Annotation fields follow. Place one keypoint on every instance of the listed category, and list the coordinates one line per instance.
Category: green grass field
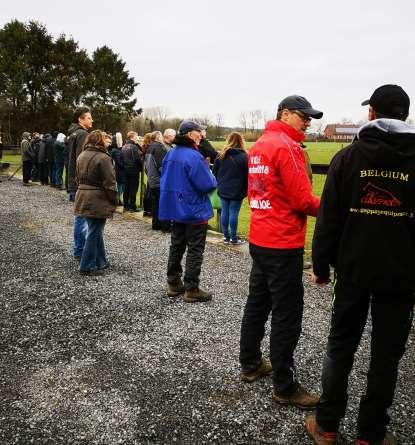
(320, 153)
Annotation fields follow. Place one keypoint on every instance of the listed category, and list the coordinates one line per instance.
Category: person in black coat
(116, 156)
(231, 171)
(132, 158)
(206, 149)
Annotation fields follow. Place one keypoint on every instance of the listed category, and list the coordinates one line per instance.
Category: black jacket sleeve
(329, 224)
(207, 151)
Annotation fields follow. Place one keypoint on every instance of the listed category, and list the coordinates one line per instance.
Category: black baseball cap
(389, 100)
(188, 125)
(300, 103)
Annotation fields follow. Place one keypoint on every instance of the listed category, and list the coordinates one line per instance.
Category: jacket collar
(279, 126)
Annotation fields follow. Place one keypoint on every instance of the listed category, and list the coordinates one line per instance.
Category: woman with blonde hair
(95, 199)
(231, 171)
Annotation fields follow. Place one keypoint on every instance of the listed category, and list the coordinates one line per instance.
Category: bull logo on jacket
(378, 196)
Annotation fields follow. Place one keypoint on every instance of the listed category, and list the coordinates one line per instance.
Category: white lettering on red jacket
(279, 190)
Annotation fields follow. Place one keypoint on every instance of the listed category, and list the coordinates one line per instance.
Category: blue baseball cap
(188, 125)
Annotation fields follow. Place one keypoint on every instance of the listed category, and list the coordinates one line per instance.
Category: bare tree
(243, 120)
(157, 114)
(219, 125)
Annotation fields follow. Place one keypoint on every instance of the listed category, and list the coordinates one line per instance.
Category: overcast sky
(228, 56)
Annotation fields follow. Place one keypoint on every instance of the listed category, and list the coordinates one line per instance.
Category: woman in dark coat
(95, 199)
(231, 171)
(116, 155)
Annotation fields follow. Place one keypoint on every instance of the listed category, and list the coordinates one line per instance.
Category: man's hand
(319, 281)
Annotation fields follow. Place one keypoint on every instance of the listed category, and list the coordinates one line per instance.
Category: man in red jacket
(280, 197)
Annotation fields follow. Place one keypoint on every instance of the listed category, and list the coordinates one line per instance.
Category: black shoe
(92, 272)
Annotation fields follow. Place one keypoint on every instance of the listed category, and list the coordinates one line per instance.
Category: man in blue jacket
(185, 184)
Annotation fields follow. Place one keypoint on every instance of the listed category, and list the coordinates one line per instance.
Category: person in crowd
(58, 157)
(206, 149)
(153, 161)
(186, 182)
(27, 159)
(365, 230)
(280, 198)
(96, 199)
(168, 137)
(231, 171)
(132, 158)
(34, 149)
(77, 133)
(43, 158)
(50, 156)
(116, 156)
(145, 190)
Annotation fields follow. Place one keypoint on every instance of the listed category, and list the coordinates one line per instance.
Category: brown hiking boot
(196, 296)
(317, 435)
(175, 289)
(389, 439)
(300, 398)
(264, 369)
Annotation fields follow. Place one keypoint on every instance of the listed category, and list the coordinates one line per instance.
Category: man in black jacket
(206, 149)
(366, 230)
(77, 133)
(132, 158)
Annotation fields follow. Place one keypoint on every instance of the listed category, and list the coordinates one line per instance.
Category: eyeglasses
(302, 116)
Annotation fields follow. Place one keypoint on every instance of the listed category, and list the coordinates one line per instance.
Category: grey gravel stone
(113, 360)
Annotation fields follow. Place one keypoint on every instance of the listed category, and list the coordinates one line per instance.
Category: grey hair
(169, 132)
(60, 137)
(118, 139)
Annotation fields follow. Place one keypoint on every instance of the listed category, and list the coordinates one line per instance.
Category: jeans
(80, 229)
(120, 190)
(93, 255)
(194, 238)
(391, 323)
(229, 217)
(276, 287)
(57, 174)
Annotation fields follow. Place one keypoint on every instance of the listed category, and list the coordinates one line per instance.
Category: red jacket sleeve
(293, 174)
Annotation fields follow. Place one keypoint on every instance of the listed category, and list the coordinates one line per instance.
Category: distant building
(341, 132)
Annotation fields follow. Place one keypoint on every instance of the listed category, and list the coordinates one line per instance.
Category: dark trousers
(130, 190)
(51, 169)
(35, 171)
(276, 287)
(147, 201)
(27, 171)
(156, 224)
(43, 173)
(391, 323)
(66, 176)
(194, 238)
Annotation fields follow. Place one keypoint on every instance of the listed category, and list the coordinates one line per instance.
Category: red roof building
(341, 132)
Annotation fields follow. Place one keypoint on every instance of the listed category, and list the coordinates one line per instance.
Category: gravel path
(113, 360)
